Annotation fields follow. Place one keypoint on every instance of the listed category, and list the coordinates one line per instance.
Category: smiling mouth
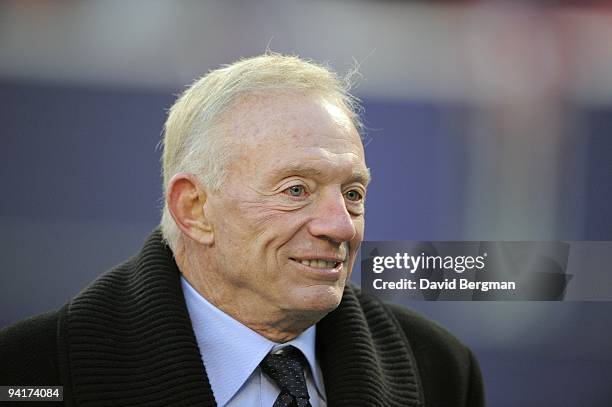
(319, 263)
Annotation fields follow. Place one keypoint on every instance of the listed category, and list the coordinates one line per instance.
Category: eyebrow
(363, 177)
(359, 175)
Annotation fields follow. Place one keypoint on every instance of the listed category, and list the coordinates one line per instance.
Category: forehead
(282, 133)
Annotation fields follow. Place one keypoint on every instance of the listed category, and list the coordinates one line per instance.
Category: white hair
(192, 141)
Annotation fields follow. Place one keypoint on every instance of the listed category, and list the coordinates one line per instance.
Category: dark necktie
(285, 368)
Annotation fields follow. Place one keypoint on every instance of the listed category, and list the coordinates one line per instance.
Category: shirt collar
(305, 342)
(219, 335)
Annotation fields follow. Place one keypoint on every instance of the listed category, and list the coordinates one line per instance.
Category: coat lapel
(129, 340)
(366, 360)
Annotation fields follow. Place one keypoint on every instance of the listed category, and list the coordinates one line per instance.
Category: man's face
(290, 217)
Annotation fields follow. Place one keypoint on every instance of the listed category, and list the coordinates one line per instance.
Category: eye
(296, 191)
(354, 195)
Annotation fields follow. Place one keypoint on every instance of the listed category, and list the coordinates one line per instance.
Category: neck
(277, 328)
(268, 320)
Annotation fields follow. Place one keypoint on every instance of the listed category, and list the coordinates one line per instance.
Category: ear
(186, 198)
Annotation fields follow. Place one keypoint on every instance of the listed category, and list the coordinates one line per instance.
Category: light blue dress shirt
(231, 353)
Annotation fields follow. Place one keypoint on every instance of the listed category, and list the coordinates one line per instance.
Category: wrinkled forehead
(273, 132)
(301, 120)
(282, 108)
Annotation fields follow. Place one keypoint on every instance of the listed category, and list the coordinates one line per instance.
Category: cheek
(266, 216)
(356, 241)
(255, 230)
(239, 216)
(359, 223)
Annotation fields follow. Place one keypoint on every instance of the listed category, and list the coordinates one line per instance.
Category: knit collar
(127, 340)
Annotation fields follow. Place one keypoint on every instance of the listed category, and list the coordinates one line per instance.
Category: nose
(331, 219)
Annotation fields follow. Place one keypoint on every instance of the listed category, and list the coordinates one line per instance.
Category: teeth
(320, 264)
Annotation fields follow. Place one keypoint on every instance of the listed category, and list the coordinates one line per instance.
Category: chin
(321, 298)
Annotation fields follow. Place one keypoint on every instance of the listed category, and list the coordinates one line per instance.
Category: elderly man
(241, 299)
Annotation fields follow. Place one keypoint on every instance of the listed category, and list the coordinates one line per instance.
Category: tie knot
(285, 368)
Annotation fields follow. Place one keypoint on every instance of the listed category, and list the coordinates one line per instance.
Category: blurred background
(486, 120)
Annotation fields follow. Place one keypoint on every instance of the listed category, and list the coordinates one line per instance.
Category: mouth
(319, 263)
(320, 269)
